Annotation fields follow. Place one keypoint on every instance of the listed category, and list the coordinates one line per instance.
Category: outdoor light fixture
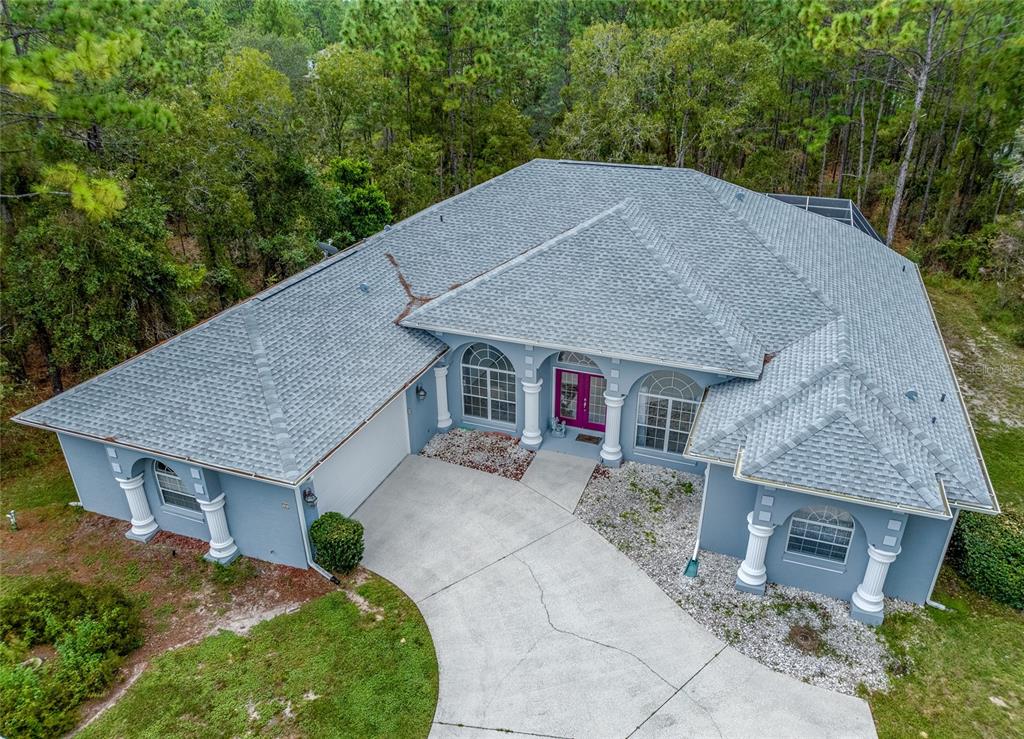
(309, 496)
(420, 392)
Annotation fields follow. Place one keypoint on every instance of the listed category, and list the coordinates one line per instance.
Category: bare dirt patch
(488, 451)
(184, 598)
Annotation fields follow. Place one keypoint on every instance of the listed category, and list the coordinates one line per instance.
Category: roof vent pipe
(911, 394)
(363, 287)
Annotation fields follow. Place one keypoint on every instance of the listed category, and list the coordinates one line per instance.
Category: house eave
(835, 495)
(437, 329)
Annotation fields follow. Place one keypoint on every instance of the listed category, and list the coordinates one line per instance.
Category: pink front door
(579, 399)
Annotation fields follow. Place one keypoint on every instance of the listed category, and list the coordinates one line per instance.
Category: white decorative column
(144, 526)
(611, 449)
(868, 599)
(752, 574)
(444, 416)
(222, 545)
(531, 416)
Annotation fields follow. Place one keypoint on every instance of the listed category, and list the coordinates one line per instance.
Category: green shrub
(338, 542)
(988, 552)
(90, 627)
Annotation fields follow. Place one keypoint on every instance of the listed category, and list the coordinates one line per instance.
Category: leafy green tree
(712, 88)
(350, 95)
(91, 292)
(358, 207)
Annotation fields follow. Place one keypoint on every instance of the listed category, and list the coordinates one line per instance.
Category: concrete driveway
(543, 628)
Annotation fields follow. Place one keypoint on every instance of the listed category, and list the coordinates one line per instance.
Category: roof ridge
(918, 434)
(918, 486)
(639, 223)
(271, 397)
(733, 210)
(841, 359)
(511, 262)
(902, 469)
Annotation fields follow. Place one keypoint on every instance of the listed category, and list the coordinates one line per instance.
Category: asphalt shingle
(694, 271)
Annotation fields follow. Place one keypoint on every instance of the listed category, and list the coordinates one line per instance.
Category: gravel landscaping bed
(489, 451)
(650, 513)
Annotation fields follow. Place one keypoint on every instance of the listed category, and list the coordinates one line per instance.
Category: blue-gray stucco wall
(921, 541)
(422, 413)
(531, 363)
(261, 516)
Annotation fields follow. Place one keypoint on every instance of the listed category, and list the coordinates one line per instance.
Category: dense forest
(162, 160)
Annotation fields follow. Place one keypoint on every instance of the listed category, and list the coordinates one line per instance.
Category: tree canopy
(162, 159)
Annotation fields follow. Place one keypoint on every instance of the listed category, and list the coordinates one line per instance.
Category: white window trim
(835, 562)
(490, 371)
(668, 418)
(157, 473)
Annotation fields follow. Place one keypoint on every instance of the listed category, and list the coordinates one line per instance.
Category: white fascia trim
(995, 508)
(582, 350)
(159, 453)
(818, 492)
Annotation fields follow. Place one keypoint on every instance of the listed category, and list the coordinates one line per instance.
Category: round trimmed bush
(337, 541)
(988, 552)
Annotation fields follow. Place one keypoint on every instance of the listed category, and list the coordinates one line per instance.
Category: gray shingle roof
(273, 385)
(268, 387)
(611, 286)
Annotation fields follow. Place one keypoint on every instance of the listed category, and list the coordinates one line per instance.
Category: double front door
(580, 399)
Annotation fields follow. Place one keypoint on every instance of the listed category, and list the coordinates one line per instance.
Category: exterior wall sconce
(309, 497)
(421, 394)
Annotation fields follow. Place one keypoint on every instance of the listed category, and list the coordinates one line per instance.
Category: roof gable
(610, 286)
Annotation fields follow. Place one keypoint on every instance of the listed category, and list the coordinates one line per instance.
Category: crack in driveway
(547, 613)
(690, 698)
(501, 731)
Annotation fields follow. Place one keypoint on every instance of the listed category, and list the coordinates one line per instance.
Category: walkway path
(543, 628)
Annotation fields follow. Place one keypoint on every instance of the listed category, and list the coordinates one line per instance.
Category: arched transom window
(172, 489)
(576, 358)
(824, 533)
(488, 384)
(667, 405)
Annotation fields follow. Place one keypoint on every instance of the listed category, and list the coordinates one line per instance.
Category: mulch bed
(487, 451)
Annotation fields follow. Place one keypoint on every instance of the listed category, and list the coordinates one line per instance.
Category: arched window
(576, 358)
(666, 408)
(824, 533)
(488, 384)
(172, 490)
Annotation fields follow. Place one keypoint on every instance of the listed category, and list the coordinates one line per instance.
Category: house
(666, 315)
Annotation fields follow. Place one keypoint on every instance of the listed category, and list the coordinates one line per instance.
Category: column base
(748, 588)
(614, 462)
(142, 535)
(442, 428)
(223, 556)
(872, 618)
(532, 445)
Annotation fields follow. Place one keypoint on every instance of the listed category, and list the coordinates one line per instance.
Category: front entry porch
(588, 447)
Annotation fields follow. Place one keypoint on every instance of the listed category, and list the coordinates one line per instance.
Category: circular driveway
(543, 628)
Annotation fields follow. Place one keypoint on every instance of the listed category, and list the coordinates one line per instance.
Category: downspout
(305, 538)
(935, 578)
(691, 566)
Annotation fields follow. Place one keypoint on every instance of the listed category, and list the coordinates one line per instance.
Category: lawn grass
(1003, 449)
(42, 485)
(959, 660)
(329, 669)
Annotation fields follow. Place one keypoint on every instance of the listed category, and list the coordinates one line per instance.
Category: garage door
(349, 475)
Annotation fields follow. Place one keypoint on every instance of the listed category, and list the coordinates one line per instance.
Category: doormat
(588, 438)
